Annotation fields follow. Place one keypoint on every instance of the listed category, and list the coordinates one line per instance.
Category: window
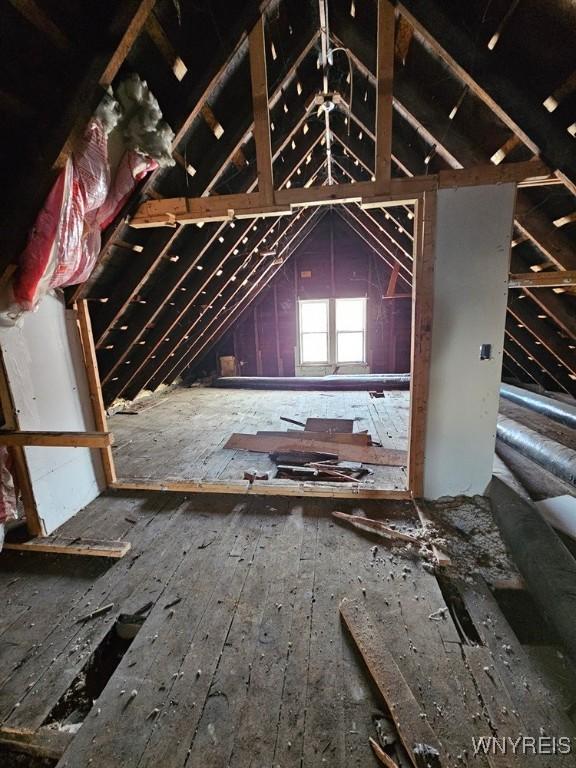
(314, 331)
(350, 330)
(332, 331)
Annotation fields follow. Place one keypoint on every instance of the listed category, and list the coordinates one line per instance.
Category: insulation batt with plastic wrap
(65, 241)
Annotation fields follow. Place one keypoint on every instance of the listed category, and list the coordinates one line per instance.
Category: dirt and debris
(465, 529)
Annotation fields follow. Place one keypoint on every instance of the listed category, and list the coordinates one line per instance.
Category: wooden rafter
(197, 99)
(526, 316)
(535, 350)
(218, 264)
(36, 16)
(262, 139)
(310, 219)
(557, 278)
(125, 27)
(191, 322)
(477, 69)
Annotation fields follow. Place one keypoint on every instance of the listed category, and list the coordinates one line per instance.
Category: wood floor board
(157, 657)
(183, 437)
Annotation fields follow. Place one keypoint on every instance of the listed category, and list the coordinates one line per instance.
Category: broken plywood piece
(60, 546)
(349, 438)
(415, 733)
(365, 454)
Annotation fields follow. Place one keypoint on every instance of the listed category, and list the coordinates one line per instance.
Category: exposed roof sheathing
(473, 81)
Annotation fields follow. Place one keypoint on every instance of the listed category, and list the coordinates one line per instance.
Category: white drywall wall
(48, 381)
(473, 233)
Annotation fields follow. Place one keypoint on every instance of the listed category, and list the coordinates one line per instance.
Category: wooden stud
(384, 99)
(422, 314)
(91, 364)
(34, 523)
(55, 439)
(261, 114)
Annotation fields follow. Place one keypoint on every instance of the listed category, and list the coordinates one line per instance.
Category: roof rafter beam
(172, 328)
(476, 69)
(264, 279)
(259, 80)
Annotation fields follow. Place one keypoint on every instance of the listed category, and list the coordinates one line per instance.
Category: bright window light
(332, 331)
(350, 330)
(314, 331)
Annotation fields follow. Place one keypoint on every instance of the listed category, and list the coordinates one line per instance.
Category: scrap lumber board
(366, 454)
(60, 546)
(349, 438)
(56, 439)
(45, 742)
(413, 729)
(338, 426)
(377, 525)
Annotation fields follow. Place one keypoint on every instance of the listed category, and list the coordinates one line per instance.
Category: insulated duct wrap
(546, 565)
(556, 458)
(561, 412)
(368, 382)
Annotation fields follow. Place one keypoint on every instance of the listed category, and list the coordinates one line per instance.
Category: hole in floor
(10, 759)
(458, 612)
(75, 704)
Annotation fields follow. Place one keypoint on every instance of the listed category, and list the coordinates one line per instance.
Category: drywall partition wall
(472, 254)
(47, 378)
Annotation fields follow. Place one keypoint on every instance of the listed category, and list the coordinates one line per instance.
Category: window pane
(313, 316)
(349, 314)
(350, 348)
(314, 347)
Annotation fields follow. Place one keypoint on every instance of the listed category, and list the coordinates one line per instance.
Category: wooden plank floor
(181, 437)
(252, 666)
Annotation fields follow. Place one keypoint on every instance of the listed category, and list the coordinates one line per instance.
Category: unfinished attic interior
(287, 384)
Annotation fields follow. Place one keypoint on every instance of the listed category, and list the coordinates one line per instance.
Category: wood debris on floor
(325, 450)
(246, 633)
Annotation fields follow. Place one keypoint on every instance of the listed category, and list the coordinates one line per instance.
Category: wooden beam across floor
(62, 546)
(19, 438)
(262, 488)
(183, 210)
(556, 279)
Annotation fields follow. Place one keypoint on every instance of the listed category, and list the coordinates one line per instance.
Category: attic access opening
(190, 427)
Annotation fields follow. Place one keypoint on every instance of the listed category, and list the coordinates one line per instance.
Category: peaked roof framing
(160, 297)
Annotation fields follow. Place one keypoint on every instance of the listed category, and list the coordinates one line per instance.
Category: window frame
(332, 333)
(301, 333)
(363, 331)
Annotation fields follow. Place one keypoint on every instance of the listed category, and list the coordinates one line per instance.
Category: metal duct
(366, 382)
(562, 412)
(553, 456)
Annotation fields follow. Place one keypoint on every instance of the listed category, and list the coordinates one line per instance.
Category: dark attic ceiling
(481, 81)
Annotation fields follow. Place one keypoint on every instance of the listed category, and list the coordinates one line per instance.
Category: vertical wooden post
(261, 114)
(422, 306)
(257, 342)
(94, 387)
(279, 362)
(34, 523)
(384, 82)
